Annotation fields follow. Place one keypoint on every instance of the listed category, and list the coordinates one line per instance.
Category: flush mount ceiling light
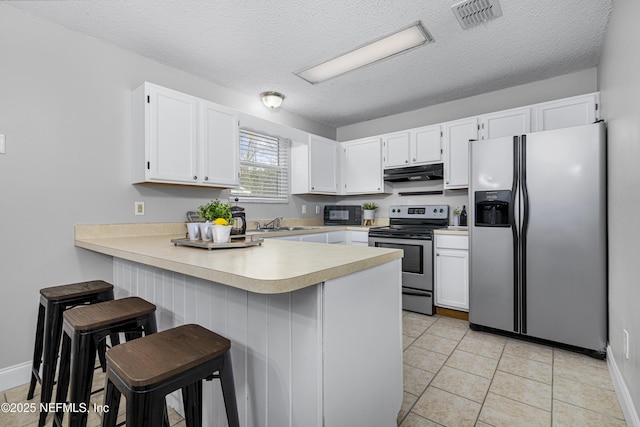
(377, 50)
(273, 100)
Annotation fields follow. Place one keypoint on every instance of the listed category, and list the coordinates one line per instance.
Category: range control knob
(441, 210)
(435, 210)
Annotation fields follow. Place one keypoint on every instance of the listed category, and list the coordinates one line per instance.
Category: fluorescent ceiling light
(393, 44)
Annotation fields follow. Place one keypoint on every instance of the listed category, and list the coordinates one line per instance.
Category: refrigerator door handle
(523, 235)
(514, 232)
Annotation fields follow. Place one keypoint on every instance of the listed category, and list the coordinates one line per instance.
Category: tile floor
(454, 376)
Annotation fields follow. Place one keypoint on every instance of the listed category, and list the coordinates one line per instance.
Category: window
(264, 162)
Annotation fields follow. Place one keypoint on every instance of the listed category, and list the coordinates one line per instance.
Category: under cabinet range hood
(431, 172)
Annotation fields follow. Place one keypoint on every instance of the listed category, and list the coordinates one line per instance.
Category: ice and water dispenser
(492, 208)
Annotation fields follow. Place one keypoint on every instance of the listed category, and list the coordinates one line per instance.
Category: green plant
(369, 206)
(216, 209)
(457, 211)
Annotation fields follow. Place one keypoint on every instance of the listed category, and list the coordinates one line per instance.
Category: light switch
(3, 145)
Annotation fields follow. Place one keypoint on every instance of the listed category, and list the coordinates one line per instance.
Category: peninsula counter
(315, 328)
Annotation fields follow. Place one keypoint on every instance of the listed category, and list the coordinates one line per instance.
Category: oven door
(417, 263)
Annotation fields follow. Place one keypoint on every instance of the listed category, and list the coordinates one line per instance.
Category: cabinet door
(456, 151)
(452, 279)
(315, 237)
(358, 238)
(506, 123)
(575, 111)
(425, 145)
(396, 146)
(173, 136)
(220, 146)
(363, 166)
(323, 165)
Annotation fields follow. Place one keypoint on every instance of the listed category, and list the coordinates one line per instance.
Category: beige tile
(447, 330)
(407, 341)
(3, 398)
(473, 363)
(422, 319)
(560, 355)
(412, 328)
(415, 380)
(436, 343)
(414, 420)
(583, 371)
(447, 409)
(526, 368)
(174, 416)
(424, 359)
(529, 350)
(454, 323)
(19, 394)
(587, 396)
(523, 390)
(482, 345)
(483, 424)
(500, 411)
(19, 419)
(408, 400)
(470, 386)
(566, 415)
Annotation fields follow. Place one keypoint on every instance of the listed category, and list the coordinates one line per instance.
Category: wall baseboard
(628, 408)
(15, 375)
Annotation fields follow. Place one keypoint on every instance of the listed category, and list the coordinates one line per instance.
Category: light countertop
(451, 230)
(277, 266)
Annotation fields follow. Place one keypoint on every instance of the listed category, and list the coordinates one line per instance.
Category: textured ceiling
(255, 45)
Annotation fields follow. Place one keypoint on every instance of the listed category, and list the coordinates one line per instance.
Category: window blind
(264, 167)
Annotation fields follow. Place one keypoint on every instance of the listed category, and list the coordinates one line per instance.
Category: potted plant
(369, 210)
(456, 216)
(218, 217)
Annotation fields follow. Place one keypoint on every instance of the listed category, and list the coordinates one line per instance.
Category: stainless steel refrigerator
(538, 236)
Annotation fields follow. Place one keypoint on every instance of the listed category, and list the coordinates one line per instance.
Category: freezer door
(564, 236)
(493, 292)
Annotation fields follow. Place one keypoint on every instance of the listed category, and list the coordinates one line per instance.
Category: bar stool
(147, 369)
(53, 302)
(84, 329)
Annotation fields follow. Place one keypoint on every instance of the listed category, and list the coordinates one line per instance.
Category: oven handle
(415, 294)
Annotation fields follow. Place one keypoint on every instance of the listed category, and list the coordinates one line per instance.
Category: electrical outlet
(304, 209)
(625, 343)
(3, 145)
(317, 209)
(138, 208)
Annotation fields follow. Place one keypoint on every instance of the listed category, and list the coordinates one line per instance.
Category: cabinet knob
(414, 159)
(206, 178)
(313, 188)
(195, 177)
(406, 161)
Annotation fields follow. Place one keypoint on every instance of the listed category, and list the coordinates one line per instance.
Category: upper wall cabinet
(505, 123)
(568, 112)
(181, 139)
(413, 147)
(456, 151)
(315, 166)
(362, 166)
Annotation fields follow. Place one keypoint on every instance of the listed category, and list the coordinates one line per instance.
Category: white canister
(205, 231)
(221, 233)
(194, 230)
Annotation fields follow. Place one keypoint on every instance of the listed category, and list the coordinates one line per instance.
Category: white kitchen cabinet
(314, 237)
(181, 139)
(315, 166)
(452, 272)
(413, 147)
(505, 123)
(362, 167)
(358, 238)
(456, 151)
(568, 112)
(337, 237)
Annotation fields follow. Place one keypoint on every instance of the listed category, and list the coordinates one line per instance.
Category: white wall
(545, 90)
(65, 111)
(619, 81)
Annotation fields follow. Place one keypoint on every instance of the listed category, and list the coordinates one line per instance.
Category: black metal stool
(84, 329)
(53, 302)
(147, 369)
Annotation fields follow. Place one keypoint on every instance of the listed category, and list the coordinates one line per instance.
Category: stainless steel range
(411, 229)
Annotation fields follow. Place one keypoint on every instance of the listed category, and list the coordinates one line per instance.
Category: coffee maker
(239, 225)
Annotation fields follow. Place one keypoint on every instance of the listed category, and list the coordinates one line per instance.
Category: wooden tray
(245, 242)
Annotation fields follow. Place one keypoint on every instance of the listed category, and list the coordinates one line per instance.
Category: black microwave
(342, 215)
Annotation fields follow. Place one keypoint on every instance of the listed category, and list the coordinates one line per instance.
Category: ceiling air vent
(474, 12)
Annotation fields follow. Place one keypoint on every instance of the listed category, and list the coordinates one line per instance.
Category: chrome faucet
(273, 224)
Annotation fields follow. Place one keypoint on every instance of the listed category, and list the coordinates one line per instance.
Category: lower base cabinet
(452, 272)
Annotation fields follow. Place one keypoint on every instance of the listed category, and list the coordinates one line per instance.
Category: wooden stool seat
(54, 301)
(144, 362)
(107, 313)
(56, 293)
(85, 328)
(147, 369)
